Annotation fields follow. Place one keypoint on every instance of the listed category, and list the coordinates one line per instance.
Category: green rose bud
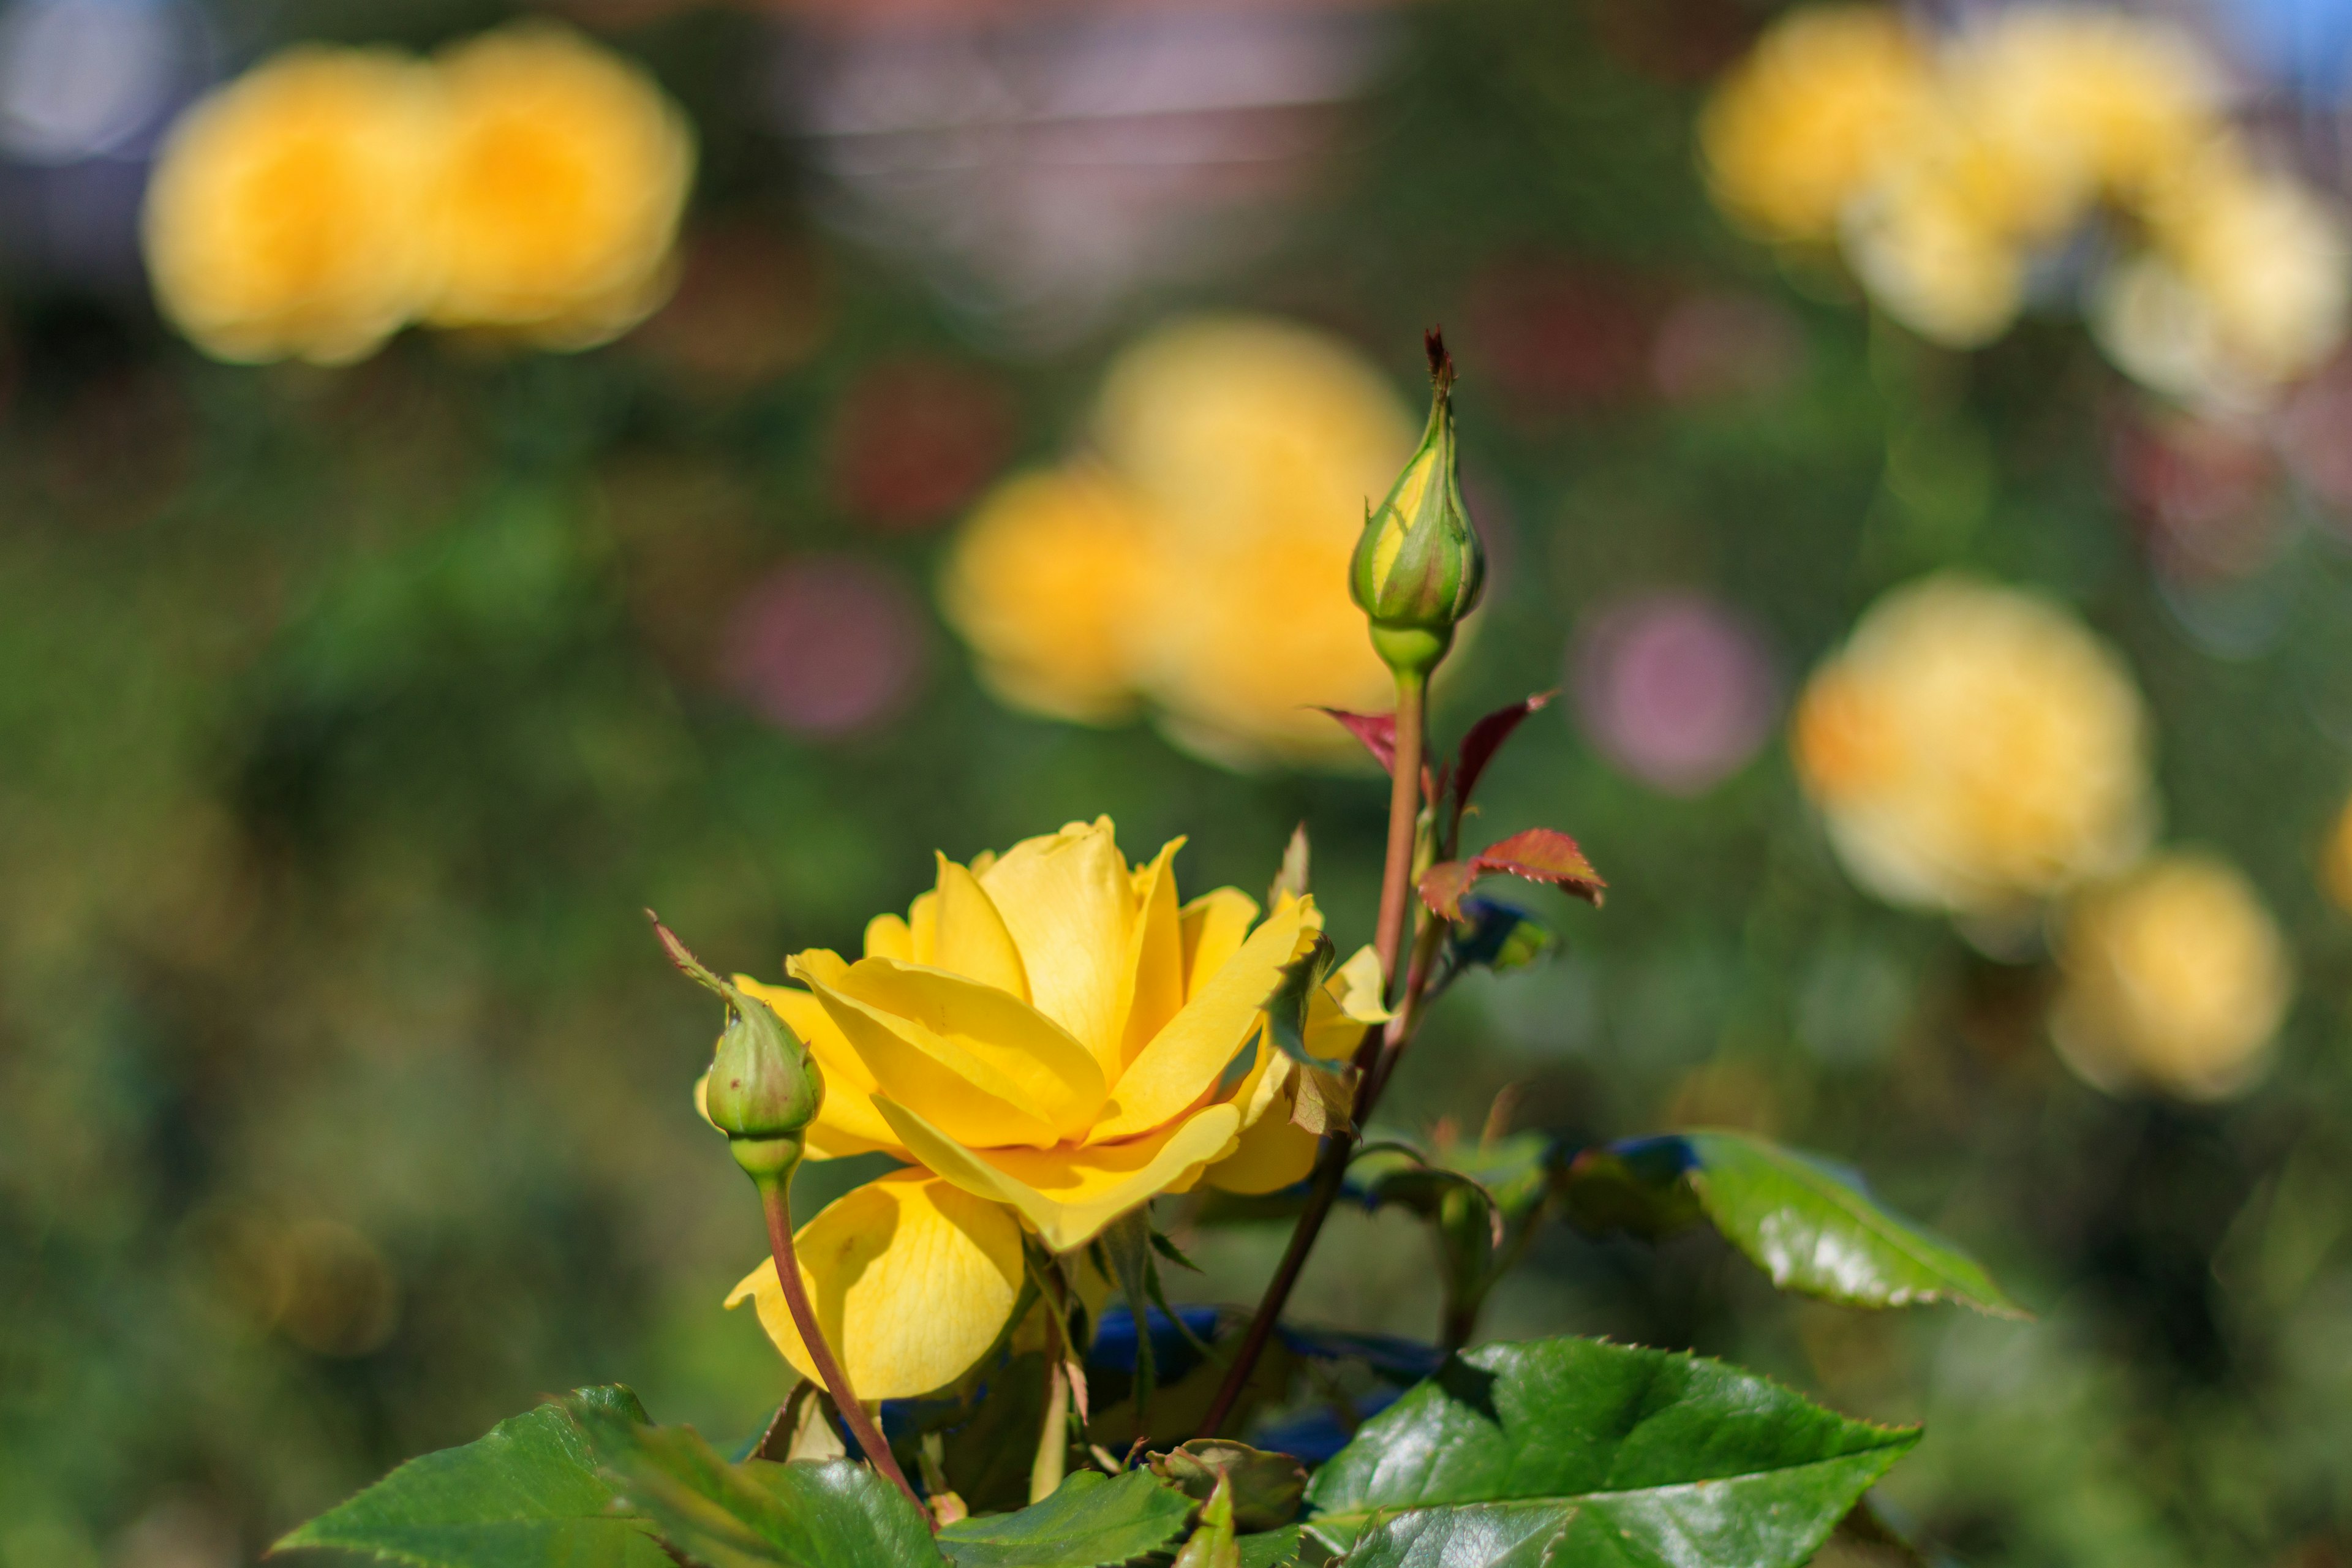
(1419, 568)
(763, 1088)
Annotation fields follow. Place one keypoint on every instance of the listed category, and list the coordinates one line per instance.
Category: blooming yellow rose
(2175, 977)
(285, 216)
(1972, 747)
(1049, 1039)
(1197, 561)
(1804, 125)
(557, 208)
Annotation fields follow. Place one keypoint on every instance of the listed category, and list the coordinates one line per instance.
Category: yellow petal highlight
(1273, 1152)
(1067, 1194)
(922, 928)
(1184, 1060)
(972, 939)
(887, 936)
(847, 1123)
(985, 1065)
(1212, 928)
(1156, 962)
(1068, 901)
(911, 1279)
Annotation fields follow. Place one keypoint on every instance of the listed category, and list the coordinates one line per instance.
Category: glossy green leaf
(1816, 1232)
(526, 1493)
(1269, 1548)
(832, 1513)
(1090, 1521)
(1629, 1458)
(1812, 1227)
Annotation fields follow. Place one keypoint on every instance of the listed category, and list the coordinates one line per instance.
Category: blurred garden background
(482, 473)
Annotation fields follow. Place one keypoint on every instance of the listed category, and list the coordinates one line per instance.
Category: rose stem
(1378, 1051)
(777, 1208)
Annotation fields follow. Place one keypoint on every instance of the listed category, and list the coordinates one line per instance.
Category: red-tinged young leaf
(1443, 884)
(1486, 737)
(1544, 855)
(1376, 730)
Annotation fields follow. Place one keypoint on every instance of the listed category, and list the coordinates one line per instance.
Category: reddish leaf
(1486, 737)
(1443, 884)
(1376, 730)
(1544, 855)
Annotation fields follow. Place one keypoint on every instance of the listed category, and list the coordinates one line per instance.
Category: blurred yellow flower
(2245, 284)
(1048, 1040)
(1041, 584)
(1199, 560)
(1948, 167)
(2176, 978)
(558, 206)
(530, 181)
(1973, 747)
(286, 213)
(1812, 116)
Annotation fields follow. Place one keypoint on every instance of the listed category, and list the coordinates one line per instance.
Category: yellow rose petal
(1213, 928)
(911, 1279)
(971, 936)
(1156, 964)
(888, 936)
(1184, 1060)
(1068, 901)
(1069, 1194)
(984, 1064)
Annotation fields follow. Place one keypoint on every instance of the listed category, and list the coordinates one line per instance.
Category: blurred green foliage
(349, 720)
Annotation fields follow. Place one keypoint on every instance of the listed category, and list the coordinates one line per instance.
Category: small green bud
(1419, 568)
(764, 1086)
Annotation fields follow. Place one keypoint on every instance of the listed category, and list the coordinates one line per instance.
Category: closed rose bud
(1419, 569)
(763, 1088)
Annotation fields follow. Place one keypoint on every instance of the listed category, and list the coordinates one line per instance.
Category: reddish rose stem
(828, 1369)
(1375, 1058)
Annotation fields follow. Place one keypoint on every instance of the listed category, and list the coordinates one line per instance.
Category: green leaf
(1270, 1548)
(1811, 1226)
(1630, 1456)
(831, 1513)
(1815, 1232)
(526, 1492)
(1266, 1487)
(1091, 1521)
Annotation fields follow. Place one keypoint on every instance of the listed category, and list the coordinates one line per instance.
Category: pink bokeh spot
(1674, 688)
(825, 645)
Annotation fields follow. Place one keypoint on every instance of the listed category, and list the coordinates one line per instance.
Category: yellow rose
(1198, 561)
(558, 204)
(1934, 260)
(2176, 977)
(286, 214)
(1972, 747)
(1047, 1039)
(1809, 120)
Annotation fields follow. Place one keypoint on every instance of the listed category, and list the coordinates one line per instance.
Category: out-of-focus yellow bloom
(1199, 561)
(2335, 860)
(1812, 117)
(1936, 260)
(531, 182)
(1042, 584)
(1049, 1038)
(2245, 284)
(2176, 978)
(2083, 105)
(1948, 167)
(1973, 747)
(566, 170)
(286, 212)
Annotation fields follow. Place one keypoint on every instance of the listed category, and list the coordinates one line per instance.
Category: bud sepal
(1419, 568)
